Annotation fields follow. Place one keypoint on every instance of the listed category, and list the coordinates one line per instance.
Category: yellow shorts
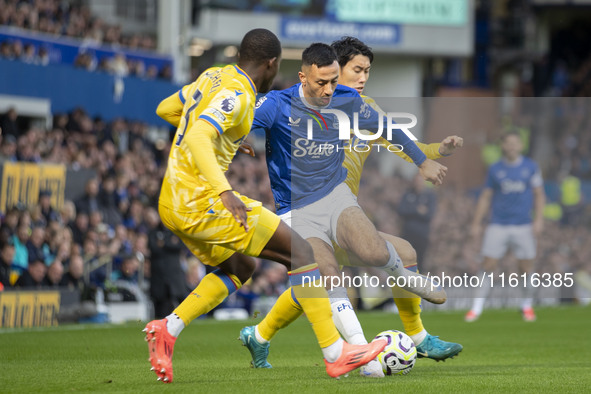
(214, 235)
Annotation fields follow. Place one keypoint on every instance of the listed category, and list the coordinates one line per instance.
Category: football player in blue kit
(514, 188)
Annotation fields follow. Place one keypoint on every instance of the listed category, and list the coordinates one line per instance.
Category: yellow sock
(283, 313)
(311, 295)
(409, 308)
(210, 292)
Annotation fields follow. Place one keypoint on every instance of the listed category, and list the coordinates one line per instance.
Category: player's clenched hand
(433, 172)
(450, 144)
(236, 207)
(246, 148)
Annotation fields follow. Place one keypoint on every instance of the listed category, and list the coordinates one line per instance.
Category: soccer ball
(399, 355)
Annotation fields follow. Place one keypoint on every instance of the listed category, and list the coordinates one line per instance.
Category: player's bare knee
(329, 270)
(375, 256)
(301, 252)
(247, 268)
(407, 253)
(240, 266)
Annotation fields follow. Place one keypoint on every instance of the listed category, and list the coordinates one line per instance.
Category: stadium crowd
(69, 19)
(72, 20)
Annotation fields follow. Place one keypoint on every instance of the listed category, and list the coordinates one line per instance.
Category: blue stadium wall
(68, 88)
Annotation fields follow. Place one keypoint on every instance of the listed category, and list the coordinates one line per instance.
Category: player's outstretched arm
(199, 138)
(170, 109)
(433, 151)
(539, 203)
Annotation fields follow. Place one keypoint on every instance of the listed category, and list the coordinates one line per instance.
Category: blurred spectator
(417, 208)
(6, 50)
(73, 279)
(8, 123)
(71, 19)
(167, 279)
(33, 276)
(68, 213)
(20, 240)
(9, 225)
(108, 202)
(54, 276)
(92, 262)
(571, 201)
(27, 150)
(8, 149)
(89, 203)
(134, 217)
(195, 272)
(86, 61)
(128, 271)
(166, 73)
(80, 228)
(35, 250)
(42, 57)
(151, 72)
(118, 65)
(50, 214)
(29, 54)
(6, 258)
(17, 49)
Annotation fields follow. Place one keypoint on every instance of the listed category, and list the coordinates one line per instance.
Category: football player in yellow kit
(213, 115)
(355, 60)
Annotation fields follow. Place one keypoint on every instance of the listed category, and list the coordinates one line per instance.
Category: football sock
(283, 313)
(344, 317)
(210, 292)
(409, 308)
(258, 336)
(419, 337)
(174, 324)
(528, 294)
(332, 352)
(481, 294)
(394, 266)
(314, 301)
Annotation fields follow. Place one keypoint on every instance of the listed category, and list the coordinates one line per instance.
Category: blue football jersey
(303, 170)
(512, 185)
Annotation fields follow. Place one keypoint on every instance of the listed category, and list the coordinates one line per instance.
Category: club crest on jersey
(364, 111)
(228, 104)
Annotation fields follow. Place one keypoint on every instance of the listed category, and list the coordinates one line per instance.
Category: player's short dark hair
(259, 45)
(349, 47)
(320, 54)
(510, 133)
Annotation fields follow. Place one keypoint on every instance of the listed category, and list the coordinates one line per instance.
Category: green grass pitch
(501, 354)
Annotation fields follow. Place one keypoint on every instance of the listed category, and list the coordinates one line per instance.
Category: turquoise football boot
(258, 351)
(436, 349)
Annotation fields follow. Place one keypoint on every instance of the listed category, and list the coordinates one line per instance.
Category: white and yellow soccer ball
(400, 355)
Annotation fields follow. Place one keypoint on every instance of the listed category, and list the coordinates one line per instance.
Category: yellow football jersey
(357, 151)
(223, 97)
